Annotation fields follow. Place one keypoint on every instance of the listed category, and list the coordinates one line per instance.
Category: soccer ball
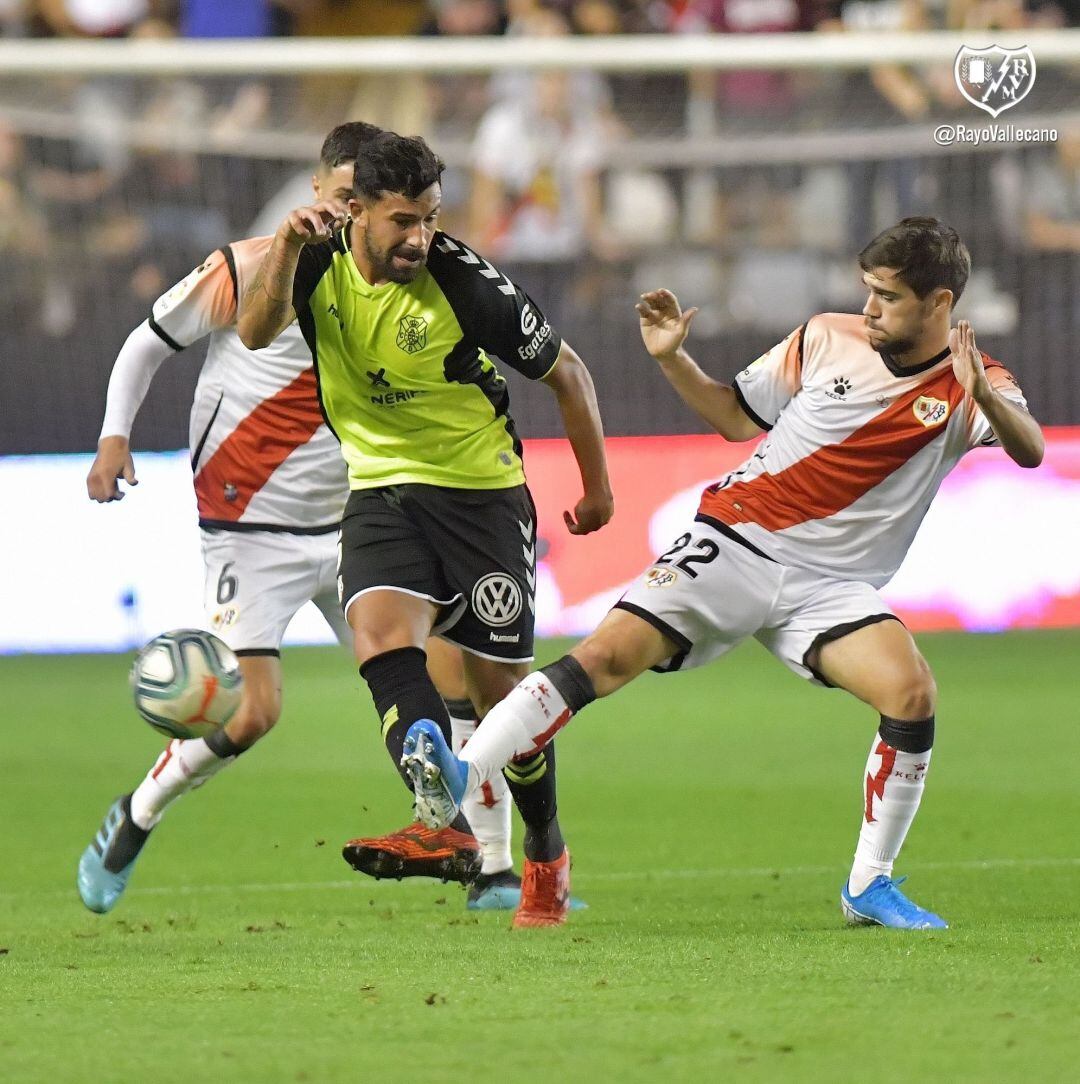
(186, 683)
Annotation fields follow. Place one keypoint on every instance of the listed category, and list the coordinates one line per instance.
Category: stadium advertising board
(116, 575)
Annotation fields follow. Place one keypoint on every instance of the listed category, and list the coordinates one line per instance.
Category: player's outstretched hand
(313, 225)
(590, 513)
(664, 326)
(112, 462)
(967, 361)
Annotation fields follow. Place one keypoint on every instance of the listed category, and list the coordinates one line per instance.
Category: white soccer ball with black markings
(186, 683)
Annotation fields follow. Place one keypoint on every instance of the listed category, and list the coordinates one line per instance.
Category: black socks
(532, 785)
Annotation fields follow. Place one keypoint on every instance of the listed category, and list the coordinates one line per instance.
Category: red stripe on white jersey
(834, 477)
(249, 455)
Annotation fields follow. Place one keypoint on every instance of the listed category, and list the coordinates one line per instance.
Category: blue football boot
(502, 892)
(883, 904)
(107, 863)
(438, 778)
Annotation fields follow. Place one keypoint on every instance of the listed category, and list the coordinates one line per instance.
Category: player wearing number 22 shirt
(862, 416)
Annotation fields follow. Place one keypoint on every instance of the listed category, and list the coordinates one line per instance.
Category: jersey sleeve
(138, 360)
(202, 302)
(980, 434)
(311, 266)
(765, 387)
(500, 318)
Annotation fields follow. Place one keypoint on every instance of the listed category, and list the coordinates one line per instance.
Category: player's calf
(250, 723)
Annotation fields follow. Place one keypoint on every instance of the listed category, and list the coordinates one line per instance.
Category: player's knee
(913, 695)
(370, 642)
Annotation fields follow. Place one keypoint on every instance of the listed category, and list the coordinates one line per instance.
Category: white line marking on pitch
(624, 875)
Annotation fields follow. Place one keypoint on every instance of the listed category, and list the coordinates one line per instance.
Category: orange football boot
(416, 851)
(545, 893)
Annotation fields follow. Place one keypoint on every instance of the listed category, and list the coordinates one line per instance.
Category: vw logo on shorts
(496, 599)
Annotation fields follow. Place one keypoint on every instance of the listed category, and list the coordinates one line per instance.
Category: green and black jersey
(403, 370)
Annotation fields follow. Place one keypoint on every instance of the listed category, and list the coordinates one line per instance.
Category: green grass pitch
(711, 817)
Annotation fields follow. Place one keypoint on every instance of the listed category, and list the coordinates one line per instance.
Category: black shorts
(470, 551)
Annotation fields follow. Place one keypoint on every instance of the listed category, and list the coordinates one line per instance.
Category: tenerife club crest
(412, 334)
(994, 78)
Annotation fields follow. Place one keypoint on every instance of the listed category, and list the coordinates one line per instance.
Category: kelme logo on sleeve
(412, 334)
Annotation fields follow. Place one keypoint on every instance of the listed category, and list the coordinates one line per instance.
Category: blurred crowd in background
(747, 192)
(262, 18)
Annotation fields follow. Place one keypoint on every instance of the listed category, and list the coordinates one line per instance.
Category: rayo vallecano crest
(994, 78)
(930, 411)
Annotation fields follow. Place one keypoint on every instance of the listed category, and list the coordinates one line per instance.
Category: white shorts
(257, 580)
(708, 593)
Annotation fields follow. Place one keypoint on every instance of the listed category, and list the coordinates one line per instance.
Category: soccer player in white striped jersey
(271, 485)
(864, 417)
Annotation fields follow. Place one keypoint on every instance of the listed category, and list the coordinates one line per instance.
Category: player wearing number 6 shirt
(439, 532)
(271, 486)
(864, 417)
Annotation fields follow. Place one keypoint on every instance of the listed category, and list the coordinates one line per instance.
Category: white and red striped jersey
(261, 452)
(856, 448)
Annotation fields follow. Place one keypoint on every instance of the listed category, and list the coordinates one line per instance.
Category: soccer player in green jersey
(439, 532)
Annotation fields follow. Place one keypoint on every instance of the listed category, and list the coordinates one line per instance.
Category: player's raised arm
(664, 327)
(267, 308)
(576, 396)
(1016, 430)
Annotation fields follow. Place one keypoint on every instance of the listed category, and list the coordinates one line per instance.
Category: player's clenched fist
(314, 224)
(664, 326)
(591, 513)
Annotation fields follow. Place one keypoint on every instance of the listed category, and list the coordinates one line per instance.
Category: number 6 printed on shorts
(227, 585)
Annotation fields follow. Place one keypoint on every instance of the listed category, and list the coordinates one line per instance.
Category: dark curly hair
(395, 163)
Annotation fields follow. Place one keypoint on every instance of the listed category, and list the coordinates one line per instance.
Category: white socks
(893, 789)
(487, 809)
(524, 722)
(183, 766)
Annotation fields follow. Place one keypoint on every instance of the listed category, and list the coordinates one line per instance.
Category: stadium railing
(744, 171)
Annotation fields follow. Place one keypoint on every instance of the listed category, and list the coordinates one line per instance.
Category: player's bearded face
(397, 234)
